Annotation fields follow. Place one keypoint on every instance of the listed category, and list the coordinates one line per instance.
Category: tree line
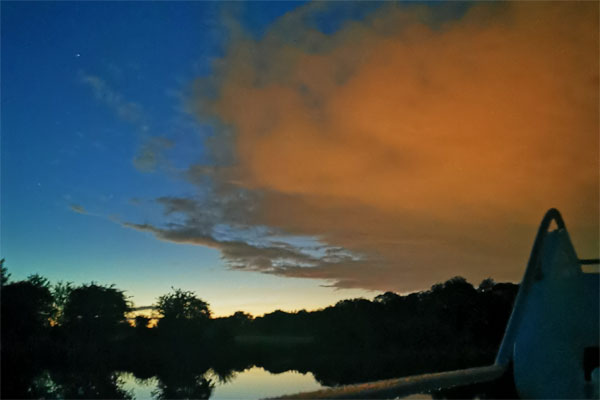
(67, 330)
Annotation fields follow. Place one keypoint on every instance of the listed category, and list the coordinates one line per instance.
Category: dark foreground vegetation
(70, 341)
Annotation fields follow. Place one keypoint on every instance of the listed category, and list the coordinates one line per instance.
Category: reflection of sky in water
(418, 396)
(253, 383)
(139, 388)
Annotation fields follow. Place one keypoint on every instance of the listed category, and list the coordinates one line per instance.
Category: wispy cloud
(78, 209)
(151, 154)
(221, 222)
(127, 110)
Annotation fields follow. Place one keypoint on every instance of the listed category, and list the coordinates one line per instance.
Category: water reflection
(139, 388)
(238, 357)
(253, 383)
(77, 385)
(242, 372)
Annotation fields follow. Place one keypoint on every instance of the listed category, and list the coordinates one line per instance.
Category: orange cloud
(432, 149)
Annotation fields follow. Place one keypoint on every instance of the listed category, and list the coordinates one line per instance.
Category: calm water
(253, 383)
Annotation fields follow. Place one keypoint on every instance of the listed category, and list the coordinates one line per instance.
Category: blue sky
(85, 87)
(289, 154)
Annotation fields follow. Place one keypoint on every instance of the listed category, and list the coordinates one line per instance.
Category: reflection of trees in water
(90, 384)
(451, 326)
(179, 376)
(187, 382)
(224, 374)
(182, 370)
(43, 387)
(76, 384)
(178, 386)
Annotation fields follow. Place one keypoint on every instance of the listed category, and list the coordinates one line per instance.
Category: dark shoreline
(452, 326)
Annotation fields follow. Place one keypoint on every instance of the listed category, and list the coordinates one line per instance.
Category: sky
(286, 155)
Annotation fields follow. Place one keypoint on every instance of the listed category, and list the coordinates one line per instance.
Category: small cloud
(146, 160)
(126, 110)
(78, 209)
(150, 156)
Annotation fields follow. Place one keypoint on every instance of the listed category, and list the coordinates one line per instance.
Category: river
(253, 383)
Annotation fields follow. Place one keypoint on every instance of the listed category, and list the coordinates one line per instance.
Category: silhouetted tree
(486, 285)
(182, 305)
(26, 312)
(241, 318)
(94, 315)
(96, 304)
(4, 275)
(27, 307)
(225, 329)
(387, 298)
(61, 292)
(185, 319)
(38, 280)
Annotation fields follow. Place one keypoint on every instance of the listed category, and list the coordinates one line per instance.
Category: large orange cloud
(431, 149)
